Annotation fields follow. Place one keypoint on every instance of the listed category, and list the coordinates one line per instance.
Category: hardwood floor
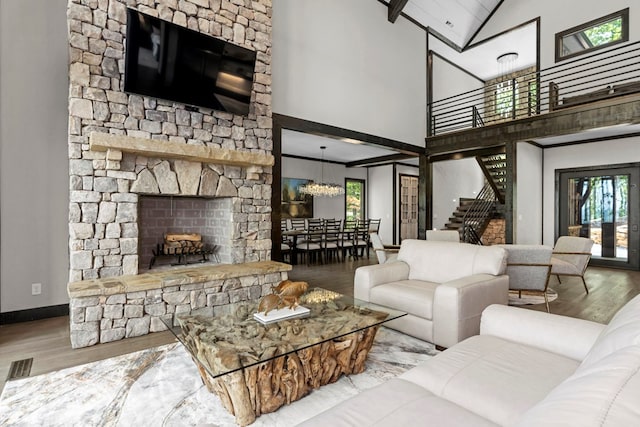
(47, 341)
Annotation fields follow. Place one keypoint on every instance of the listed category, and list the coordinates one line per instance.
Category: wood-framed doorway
(408, 206)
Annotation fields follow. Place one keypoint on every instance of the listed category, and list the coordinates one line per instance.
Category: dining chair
(311, 243)
(332, 238)
(361, 240)
(347, 238)
(286, 242)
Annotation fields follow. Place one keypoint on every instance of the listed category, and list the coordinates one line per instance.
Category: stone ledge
(167, 278)
(100, 141)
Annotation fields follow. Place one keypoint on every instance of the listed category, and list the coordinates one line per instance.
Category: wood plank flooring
(47, 341)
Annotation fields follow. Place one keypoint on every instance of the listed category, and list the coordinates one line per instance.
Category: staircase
(494, 167)
(472, 216)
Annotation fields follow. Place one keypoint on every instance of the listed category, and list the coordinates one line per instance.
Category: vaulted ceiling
(455, 20)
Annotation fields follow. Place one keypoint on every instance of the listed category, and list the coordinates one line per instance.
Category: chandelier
(322, 189)
(507, 63)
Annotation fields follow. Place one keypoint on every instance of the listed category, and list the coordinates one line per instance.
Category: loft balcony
(595, 96)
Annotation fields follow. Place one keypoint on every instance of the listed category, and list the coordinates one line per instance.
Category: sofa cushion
(440, 262)
(494, 378)
(413, 296)
(622, 331)
(396, 403)
(606, 393)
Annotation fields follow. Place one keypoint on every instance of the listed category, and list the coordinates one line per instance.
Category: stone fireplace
(124, 148)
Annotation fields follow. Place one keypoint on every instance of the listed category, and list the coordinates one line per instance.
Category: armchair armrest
(371, 276)
(458, 305)
(562, 335)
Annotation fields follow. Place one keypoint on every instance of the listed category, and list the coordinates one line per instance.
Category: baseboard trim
(34, 314)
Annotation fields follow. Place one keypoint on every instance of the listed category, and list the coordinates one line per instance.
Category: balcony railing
(591, 78)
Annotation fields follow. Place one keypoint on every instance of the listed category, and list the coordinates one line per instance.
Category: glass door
(602, 204)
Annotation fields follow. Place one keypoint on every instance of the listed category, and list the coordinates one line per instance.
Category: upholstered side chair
(528, 268)
(571, 257)
(443, 235)
(384, 253)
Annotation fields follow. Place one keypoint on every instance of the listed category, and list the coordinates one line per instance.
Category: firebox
(180, 230)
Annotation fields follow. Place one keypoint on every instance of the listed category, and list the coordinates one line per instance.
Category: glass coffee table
(256, 368)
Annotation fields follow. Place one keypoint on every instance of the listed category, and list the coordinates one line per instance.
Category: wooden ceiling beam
(381, 159)
(395, 9)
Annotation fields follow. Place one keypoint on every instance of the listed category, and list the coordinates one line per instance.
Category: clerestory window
(599, 33)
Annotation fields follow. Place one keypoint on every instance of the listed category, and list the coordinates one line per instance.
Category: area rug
(531, 298)
(161, 387)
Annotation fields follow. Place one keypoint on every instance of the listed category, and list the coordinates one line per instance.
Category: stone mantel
(100, 141)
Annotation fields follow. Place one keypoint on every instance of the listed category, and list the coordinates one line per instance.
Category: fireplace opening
(183, 230)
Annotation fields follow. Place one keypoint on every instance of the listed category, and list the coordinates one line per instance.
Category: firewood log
(174, 237)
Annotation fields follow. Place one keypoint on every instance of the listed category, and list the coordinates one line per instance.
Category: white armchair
(443, 286)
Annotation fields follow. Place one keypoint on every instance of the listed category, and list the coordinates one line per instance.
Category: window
(354, 194)
(532, 98)
(596, 34)
(506, 98)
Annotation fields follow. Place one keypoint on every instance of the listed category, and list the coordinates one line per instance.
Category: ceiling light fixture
(322, 189)
(507, 63)
(507, 57)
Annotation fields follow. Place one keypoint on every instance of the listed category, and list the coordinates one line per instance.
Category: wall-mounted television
(167, 61)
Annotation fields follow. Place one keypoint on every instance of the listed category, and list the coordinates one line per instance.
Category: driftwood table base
(255, 369)
(263, 388)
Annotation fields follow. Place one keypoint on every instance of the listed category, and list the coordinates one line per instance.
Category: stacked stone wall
(494, 234)
(104, 186)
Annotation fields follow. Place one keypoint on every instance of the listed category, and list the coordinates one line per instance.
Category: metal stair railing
(491, 178)
(477, 215)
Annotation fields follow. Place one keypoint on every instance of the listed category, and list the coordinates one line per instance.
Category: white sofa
(525, 369)
(443, 286)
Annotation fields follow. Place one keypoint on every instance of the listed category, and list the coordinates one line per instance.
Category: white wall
(323, 207)
(449, 80)
(33, 153)
(342, 63)
(452, 180)
(556, 16)
(380, 202)
(528, 197)
(574, 156)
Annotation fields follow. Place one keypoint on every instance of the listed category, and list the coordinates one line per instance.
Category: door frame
(633, 236)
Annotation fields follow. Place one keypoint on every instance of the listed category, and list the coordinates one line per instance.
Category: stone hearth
(105, 310)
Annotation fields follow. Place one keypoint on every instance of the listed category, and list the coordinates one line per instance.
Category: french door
(408, 207)
(602, 204)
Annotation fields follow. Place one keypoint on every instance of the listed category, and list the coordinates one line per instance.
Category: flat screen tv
(167, 61)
